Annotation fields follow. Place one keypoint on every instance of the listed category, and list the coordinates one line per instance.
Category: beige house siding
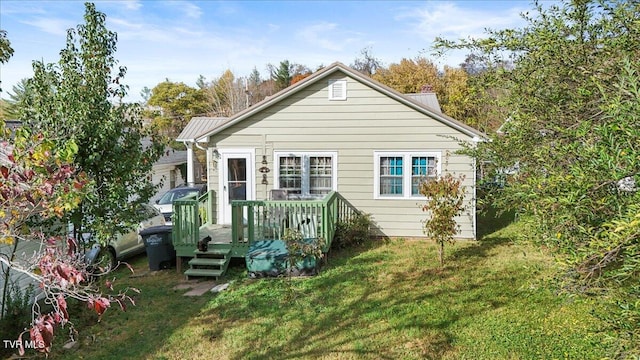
(366, 122)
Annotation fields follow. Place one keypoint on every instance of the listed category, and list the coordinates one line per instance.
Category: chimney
(428, 88)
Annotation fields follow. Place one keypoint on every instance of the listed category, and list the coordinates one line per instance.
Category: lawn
(494, 299)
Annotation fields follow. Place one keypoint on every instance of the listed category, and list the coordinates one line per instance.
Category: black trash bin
(160, 251)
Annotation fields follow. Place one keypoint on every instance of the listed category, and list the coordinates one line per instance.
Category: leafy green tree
(79, 99)
(6, 51)
(569, 144)
(179, 103)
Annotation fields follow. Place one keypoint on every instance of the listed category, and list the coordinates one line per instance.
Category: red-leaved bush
(37, 181)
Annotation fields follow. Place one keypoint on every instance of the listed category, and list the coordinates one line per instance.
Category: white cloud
(326, 35)
(51, 25)
(132, 4)
(273, 27)
(449, 20)
(122, 23)
(22, 8)
(192, 11)
(188, 9)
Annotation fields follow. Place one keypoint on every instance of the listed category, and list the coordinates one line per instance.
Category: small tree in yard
(445, 201)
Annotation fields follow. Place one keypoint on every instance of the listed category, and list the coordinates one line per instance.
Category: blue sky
(181, 40)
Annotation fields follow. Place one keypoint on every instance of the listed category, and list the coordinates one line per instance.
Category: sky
(181, 40)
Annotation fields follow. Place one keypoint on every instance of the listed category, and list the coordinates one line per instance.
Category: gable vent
(337, 89)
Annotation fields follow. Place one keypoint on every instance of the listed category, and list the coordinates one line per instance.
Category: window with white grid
(320, 175)
(398, 175)
(306, 174)
(290, 174)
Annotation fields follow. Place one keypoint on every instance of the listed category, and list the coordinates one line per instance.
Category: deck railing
(267, 219)
(254, 220)
(189, 214)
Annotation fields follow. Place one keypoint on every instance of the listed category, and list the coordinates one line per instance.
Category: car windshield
(176, 194)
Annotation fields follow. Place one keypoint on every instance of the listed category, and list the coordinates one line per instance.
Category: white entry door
(236, 179)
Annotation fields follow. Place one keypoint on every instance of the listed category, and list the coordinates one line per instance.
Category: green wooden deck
(252, 221)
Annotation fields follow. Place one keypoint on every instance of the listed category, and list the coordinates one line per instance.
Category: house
(196, 126)
(168, 170)
(338, 131)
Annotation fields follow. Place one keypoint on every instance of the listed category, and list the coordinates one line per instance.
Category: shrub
(352, 232)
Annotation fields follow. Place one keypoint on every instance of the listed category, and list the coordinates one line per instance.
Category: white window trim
(406, 172)
(340, 96)
(305, 167)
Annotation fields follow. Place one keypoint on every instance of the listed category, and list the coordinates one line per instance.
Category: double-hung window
(398, 175)
(306, 174)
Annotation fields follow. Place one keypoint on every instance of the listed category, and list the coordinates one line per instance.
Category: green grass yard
(494, 299)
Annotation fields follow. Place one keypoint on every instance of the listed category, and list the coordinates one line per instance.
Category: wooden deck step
(204, 272)
(207, 262)
(213, 251)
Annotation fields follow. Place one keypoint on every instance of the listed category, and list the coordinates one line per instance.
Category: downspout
(476, 139)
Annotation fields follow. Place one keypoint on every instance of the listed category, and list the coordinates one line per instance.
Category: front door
(236, 180)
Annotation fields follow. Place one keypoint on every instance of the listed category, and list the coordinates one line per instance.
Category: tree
(38, 181)
(179, 103)
(367, 63)
(6, 51)
(78, 99)
(570, 141)
(445, 201)
(227, 95)
(285, 72)
(456, 95)
(474, 64)
(299, 77)
(281, 75)
(259, 89)
(18, 98)
(409, 76)
(146, 95)
(452, 86)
